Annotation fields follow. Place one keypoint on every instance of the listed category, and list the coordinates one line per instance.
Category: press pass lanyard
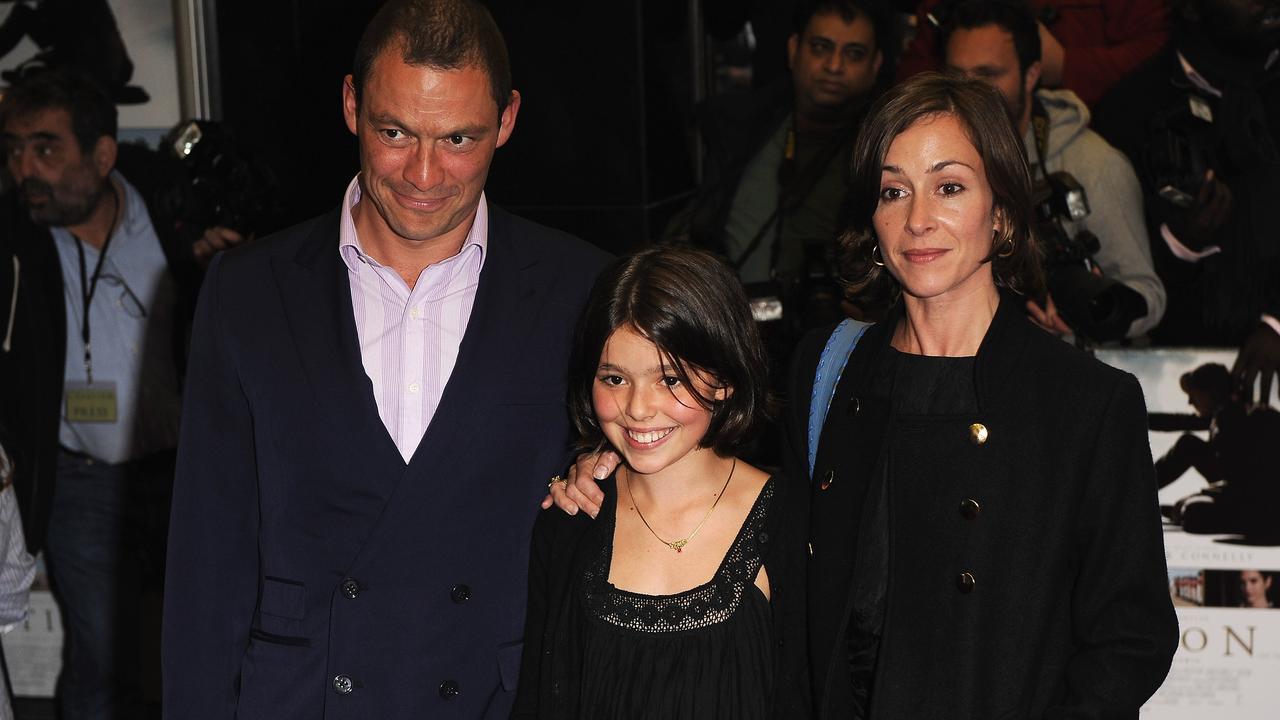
(89, 287)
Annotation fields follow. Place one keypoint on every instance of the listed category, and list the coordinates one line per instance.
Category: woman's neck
(949, 326)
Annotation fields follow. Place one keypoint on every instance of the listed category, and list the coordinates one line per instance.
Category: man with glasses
(96, 288)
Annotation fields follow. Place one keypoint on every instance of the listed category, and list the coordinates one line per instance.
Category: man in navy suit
(375, 403)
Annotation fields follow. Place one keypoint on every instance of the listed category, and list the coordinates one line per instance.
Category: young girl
(683, 598)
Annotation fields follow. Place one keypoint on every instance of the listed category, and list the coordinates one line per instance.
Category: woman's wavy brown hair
(1015, 257)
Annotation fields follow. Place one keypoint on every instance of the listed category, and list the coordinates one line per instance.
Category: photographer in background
(1201, 122)
(98, 279)
(997, 41)
(777, 164)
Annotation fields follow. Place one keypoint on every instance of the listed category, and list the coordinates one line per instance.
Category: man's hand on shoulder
(580, 490)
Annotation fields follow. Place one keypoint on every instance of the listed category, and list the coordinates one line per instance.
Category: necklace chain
(678, 545)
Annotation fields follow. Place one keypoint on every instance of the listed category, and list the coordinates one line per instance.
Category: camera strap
(1040, 127)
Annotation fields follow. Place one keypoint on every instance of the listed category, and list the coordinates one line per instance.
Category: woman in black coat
(985, 538)
(985, 534)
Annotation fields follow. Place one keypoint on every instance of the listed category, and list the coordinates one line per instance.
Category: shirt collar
(353, 252)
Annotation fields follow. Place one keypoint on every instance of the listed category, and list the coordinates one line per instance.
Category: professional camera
(1096, 307)
(224, 186)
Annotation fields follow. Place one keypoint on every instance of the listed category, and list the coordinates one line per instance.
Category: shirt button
(460, 593)
(450, 689)
(414, 387)
(415, 313)
(966, 582)
(343, 685)
(978, 433)
(970, 508)
(351, 588)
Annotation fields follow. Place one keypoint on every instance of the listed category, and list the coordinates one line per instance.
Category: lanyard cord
(89, 287)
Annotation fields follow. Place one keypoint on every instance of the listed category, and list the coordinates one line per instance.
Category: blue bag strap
(830, 367)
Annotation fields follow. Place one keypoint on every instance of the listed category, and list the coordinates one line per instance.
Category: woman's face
(934, 220)
(1254, 588)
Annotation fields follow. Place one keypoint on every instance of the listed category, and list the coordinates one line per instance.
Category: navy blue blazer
(311, 573)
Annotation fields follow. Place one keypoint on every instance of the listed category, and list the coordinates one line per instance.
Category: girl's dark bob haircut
(1015, 257)
(690, 305)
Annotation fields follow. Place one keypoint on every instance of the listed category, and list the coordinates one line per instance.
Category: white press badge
(91, 402)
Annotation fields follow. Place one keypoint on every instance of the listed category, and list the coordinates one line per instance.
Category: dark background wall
(604, 145)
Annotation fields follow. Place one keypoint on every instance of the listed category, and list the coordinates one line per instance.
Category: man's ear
(507, 122)
(877, 62)
(1032, 78)
(793, 44)
(350, 111)
(104, 155)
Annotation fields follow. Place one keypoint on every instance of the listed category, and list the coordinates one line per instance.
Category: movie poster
(1219, 473)
(127, 45)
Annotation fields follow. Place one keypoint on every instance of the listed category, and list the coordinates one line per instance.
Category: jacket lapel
(495, 331)
(316, 295)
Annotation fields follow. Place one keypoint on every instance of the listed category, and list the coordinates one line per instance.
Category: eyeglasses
(127, 299)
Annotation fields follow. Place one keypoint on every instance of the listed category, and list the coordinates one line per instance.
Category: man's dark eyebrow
(37, 135)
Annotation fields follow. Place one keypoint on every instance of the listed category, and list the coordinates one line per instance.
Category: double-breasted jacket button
(855, 405)
(970, 508)
(450, 689)
(343, 685)
(827, 480)
(978, 433)
(460, 593)
(351, 588)
(966, 582)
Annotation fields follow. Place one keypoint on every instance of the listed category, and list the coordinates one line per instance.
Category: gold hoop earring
(874, 250)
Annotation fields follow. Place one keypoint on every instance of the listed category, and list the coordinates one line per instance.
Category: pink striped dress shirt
(409, 338)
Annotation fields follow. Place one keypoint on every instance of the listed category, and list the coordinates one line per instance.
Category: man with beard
(997, 41)
(95, 285)
(1202, 122)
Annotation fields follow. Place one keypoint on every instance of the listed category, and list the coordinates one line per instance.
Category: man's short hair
(1013, 17)
(848, 10)
(93, 114)
(439, 34)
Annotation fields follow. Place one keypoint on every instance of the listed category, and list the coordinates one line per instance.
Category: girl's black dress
(719, 650)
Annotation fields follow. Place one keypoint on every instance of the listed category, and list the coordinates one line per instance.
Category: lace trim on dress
(703, 606)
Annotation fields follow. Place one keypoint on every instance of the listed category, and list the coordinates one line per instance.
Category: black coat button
(450, 689)
(970, 508)
(351, 588)
(460, 593)
(855, 406)
(966, 582)
(827, 480)
(343, 685)
(764, 538)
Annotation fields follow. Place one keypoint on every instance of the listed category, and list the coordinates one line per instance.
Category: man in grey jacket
(997, 41)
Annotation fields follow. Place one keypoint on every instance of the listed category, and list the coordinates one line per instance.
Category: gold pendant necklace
(678, 545)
